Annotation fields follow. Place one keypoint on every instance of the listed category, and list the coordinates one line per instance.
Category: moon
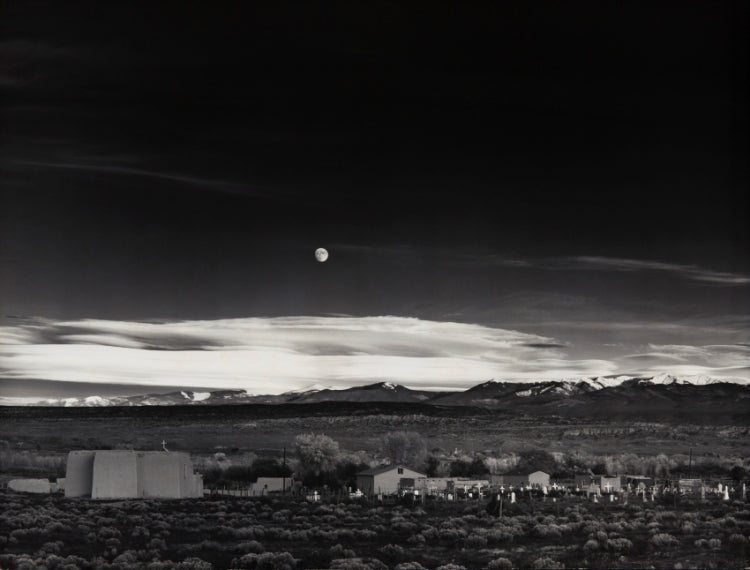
(321, 254)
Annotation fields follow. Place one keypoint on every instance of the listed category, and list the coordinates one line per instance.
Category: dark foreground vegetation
(276, 533)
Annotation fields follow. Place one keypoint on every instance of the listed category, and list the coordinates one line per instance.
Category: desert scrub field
(57, 533)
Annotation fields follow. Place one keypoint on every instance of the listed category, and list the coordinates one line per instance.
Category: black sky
(184, 160)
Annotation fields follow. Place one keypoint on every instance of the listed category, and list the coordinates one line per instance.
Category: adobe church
(131, 475)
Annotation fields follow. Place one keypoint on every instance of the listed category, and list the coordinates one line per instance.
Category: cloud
(273, 355)
(277, 354)
(564, 263)
(718, 361)
(611, 264)
(204, 183)
(693, 272)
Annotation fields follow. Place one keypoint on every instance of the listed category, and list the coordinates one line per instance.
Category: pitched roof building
(387, 479)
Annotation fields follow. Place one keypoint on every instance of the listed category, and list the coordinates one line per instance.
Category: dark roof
(386, 468)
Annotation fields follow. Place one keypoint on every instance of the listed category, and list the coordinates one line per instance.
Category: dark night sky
(547, 167)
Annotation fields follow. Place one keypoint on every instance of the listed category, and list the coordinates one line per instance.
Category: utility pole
(283, 476)
(690, 464)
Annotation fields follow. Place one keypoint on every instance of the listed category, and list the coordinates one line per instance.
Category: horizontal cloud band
(274, 355)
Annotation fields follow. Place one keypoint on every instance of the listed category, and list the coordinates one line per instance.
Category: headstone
(512, 497)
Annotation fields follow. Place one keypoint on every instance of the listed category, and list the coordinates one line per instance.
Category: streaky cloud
(202, 183)
(279, 354)
(611, 264)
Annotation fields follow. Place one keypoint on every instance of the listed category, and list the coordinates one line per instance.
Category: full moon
(321, 254)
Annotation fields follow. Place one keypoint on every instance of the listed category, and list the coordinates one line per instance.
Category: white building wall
(388, 482)
(160, 474)
(79, 472)
(539, 479)
(115, 475)
(30, 485)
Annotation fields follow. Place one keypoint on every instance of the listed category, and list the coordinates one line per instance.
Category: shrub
(547, 531)
(357, 564)
(475, 541)
(451, 535)
(52, 547)
(157, 544)
(620, 544)
(664, 540)
(106, 532)
(688, 527)
(339, 551)
(392, 551)
(250, 546)
(500, 564)
(714, 544)
(140, 532)
(127, 557)
(268, 561)
(194, 563)
(547, 563)
(409, 566)
(591, 546)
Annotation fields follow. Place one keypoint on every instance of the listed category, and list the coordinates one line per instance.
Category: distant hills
(668, 393)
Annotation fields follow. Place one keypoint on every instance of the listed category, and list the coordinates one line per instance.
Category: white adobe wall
(191, 482)
(115, 475)
(159, 474)
(79, 473)
(29, 485)
(197, 487)
(131, 474)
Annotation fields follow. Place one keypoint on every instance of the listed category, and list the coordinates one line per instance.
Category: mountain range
(611, 392)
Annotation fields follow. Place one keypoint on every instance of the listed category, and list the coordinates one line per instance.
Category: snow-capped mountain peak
(487, 393)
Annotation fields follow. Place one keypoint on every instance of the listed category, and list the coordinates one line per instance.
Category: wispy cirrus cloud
(612, 264)
(561, 263)
(692, 272)
(714, 356)
(133, 170)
